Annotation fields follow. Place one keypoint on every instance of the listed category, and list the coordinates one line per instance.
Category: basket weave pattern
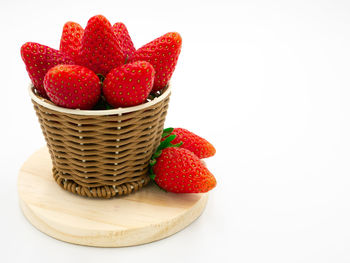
(102, 155)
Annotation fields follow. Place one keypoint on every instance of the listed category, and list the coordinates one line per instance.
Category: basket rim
(43, 103)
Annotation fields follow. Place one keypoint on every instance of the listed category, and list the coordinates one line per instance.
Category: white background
(267, 82)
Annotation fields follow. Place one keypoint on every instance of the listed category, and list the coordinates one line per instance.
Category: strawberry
(100, 50)
(163, 54)
(178, 170)
(38, 60)
(72, 86)
(190, 141)
(129, 85)
(124, 39)
(71, 39)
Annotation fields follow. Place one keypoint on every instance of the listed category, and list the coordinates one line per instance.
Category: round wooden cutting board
(142, 217)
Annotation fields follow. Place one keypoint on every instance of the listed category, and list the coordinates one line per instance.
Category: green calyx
(167, 132)
(101, 77)
(102, 104)
(163, 145)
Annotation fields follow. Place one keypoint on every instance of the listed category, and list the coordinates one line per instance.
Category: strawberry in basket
(163, 54)
(72, 86)
(129, 85)
(124, 39)
(100, 50)
(38, 60)
(70, 44)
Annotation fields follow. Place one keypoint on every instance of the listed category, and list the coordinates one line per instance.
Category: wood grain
(145, 216)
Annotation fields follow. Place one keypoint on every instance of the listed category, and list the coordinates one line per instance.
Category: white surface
(266, 81)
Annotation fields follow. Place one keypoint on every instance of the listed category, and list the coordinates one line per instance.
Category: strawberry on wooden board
(38, 60)
(190, 141)
(124, 39)
(72, 86)
(179, 170)
(70, 44)
(100, 50)
(163, 54)
(129, 85)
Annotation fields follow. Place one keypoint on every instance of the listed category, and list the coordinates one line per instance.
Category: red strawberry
(71, 39)
(163, 54)
(124, 39)
(72, 86)
(38, 60)
(100, 50)
(179, 170)
(196, 144)
(129, 85)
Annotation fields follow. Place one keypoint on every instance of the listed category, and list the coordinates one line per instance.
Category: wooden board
(145, 216)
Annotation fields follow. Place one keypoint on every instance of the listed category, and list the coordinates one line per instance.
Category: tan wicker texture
(102, 153)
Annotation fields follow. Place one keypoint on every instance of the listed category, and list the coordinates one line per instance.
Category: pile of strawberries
(99, 64)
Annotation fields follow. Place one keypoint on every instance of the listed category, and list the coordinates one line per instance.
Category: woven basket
(102, 153)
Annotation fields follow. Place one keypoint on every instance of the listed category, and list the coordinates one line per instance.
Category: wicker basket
(102, 153)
